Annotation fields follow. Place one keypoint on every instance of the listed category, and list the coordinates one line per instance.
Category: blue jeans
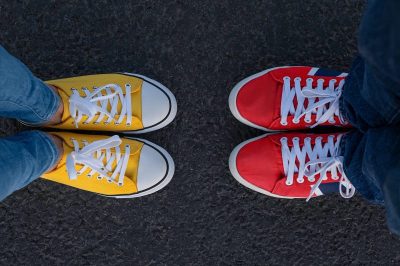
(371, 102)
(27, 155)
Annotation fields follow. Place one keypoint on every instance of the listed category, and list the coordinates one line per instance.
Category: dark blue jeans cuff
(353, 148)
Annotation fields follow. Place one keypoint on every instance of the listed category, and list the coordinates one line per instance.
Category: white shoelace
(322, 102)
(92, 157)
(97, 103)
(322, 158)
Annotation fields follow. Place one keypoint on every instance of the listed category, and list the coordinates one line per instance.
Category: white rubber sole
(233, 97)
(173, 108)
(239, 178)
(163, 183)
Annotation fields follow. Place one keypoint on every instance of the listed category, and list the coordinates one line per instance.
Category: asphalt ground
(199, 49)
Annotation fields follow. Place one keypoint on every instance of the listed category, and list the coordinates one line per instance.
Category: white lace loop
(330, 164)
(322, 158)
(99, 102)
(92, 156)
(322, 102)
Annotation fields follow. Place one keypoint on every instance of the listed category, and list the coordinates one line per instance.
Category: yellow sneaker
(112, 166)
(122, 102)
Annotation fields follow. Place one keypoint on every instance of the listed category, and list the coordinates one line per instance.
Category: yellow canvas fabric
(65, 90)
(93, 184)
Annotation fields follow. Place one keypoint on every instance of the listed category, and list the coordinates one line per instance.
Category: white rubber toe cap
(159, 105)
(153, 168)
(156, 105)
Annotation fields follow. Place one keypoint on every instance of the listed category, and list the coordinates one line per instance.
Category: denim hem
(342, 144)
(56, 153)
(51, 112)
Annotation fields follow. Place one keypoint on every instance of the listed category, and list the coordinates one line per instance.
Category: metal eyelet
(300, 180)
(99, 177)
(295, 121)
(288, 183)
(120, 184)
(284, 123)
(296, 139)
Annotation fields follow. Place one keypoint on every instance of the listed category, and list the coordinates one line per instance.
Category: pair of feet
(121, 167)
(291, 164)
(285, 165)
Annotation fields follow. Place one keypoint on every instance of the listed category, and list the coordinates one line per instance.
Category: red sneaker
(289, 98)
(291, 165)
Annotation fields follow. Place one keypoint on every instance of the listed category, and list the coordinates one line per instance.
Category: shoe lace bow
(102, 101)
(322, 158)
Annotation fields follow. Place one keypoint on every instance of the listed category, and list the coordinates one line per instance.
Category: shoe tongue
(65, 101)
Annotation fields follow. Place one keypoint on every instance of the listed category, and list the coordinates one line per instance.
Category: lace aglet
(311, 193)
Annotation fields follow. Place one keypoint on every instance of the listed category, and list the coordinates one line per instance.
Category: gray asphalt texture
(199, 49)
